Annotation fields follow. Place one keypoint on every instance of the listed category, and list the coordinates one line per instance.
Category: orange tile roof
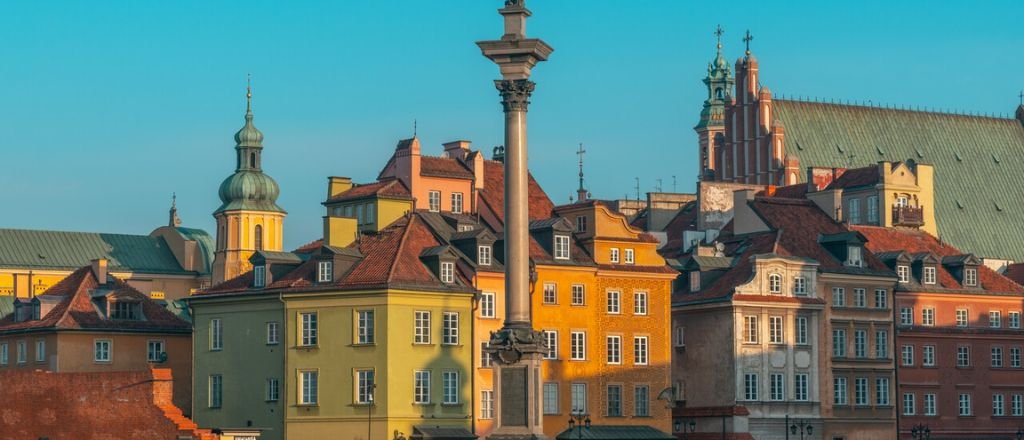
(493, 194)
(385, 188)
(444, 167)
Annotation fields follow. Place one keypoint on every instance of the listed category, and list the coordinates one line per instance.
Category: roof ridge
(401, 246)
(892, 107)
(69, 299)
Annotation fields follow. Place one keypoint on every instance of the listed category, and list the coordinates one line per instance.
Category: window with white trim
(775, 283)
(325, 271)
(872, 206)
(750, 330)
(447, 272)
(881, 299)
(273, 390)
(881, 344)
(216, 390)
(929, 275)
(364, 386)
(630, 257)
(579, 398)
(961, 317)
(995, 319)
(639, 303)
(801, 387)
(450, 387)
(486, 358)
(928, 316)
(1017, 405)
(906, 316)
(839, 390)
(775, 326)
(882, 391)
(613, 345)
(551, 343)
(998, 405)
(421, 327)
(216, 334)
(614, 400)
(853, 211)
(578, 295)
(434, 201)
(860, 298)
(908, 404)
(801, 330)
(450, 328)
(309, 329)
(561, 247)
(578, 346)
(483, 255)
(1014, 357)
(4, 354)
(581, 223)
(860, 344)
(40, 350)
(421, 387)
(309, 387)
(487, 404)
(800, 286)
(102, 352)
(970, 277)
(487, 307)
(903, 273)
(965, 404)
(1014, 319)
(641, 401)
(860, 391)
(273, 335)
(550, 293)
(963, 356)
(777, 386)
(456, 203)
(259, 276)
(907, 356)
(154, 350)
(997, 357)
(366, 327)
(614, 302)
(838, 343)
(613, 255)
(550, 403)
(838, 297)
(679, 336)
(929, 405)
(750, 386)
(640, 350)
(928, 356)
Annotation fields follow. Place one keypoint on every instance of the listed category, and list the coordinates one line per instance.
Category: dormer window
(259, 276)
(325, 271)
(561, 247)
(126, 310)
(464, 228)
(854, 258)
(970, 277)
(800, 286)
(581, 223)
(903, 273)
(35, 312)
(928, 276)
(483, 255)
(695, 281)
(447, 272)
(775, 283)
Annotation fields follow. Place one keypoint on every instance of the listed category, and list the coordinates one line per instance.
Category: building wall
(238, 241)
(244, 363)
(491, 282)
(706, 330)
(173, 286)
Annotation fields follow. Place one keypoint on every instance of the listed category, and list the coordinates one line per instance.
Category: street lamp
(921, 431)
(369, 408)
(578, 419)
(803, 427)
(1020, 433)
(688, 426)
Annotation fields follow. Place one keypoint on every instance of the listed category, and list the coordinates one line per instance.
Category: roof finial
(581, 192)
(248, 93)
(1021, 96)
(718, 36)
(174, 221)
(414, 127)
(746, 40)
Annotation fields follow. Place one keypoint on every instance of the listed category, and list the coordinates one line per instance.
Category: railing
(907, 216)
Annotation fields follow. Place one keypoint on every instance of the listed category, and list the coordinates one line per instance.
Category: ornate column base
(518, 353)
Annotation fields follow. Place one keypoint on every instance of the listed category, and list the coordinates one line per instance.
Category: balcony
(907, 216)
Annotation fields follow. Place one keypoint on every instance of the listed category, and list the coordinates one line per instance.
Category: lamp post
(802, 427)
(369, 408)
(579, 420)
(1020, 433)
(679, 425)
(921, 431)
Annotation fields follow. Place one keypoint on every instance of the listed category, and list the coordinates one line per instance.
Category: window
(434, 201)
(308, 387)
(882, 344)
(450, 328)
(998, 407)
(154, 350)
(882, 391)
(324, 271)
(550, 293)
(881, 299)
(997, 357)
(800, 387)
(777, 387)
(639, 303)
(838, 343)
(421, 331)
(119, 310)
(854, 256)
(447, 272)
(365, 332)
(907, 356)
(640, 350)
(272, 333)
(963, 356)
(679, 336)
(929, 275)
(23, 352)
(579, 398)
(40, 350)
(273, 390)
(216, 390)
(450, 388)
(421, 387)
(860, 344)
(259, 276)
(961, 317)
(965, 404)
(614, 400)
(1017, 405)
(994, 319)
(908, 404)
(775, 283)
(970, 277)
(551, 342)
(561, 247)
(578, 295)
(4, 354)
(364, 387)
(928, 316)
(614, 306)
(695, 281)
(800, 286)
(860, 391)
(578, 346)
(929, 405)
(1014, 357)
(456, 203)
(101, 350)
(750, 331)
(258, 237)
(839, 390)
(614, 347)
(903, 273)
(928, 356)
(838, 297)
(613, 255)
(581, 224)
(487, 305)
(872, 205)
(483, 255)
(486, 358)
(487, 404)
(801, 330)
(853, 207)
(750, 386)
(906, 316)
(309, 329)
(550, 398)
(775, 335)
(860, 298)
(641, 401)
(629, 257)
(1014, 318)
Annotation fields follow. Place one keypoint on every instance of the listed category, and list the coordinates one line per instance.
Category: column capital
(515, 93)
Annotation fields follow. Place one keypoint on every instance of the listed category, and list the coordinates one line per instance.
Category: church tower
(711, 128)
(248, 218)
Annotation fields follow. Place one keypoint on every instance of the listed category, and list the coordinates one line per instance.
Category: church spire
(581, 192)
(173, 220)
(249, 139)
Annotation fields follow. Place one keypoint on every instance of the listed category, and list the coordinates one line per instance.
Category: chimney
(340, 231)
(457, 149)
(337, 185)
(99, 269)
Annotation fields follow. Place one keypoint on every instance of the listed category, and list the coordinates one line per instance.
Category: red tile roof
(1015, 272)
(856, 177)
(385, 188)
(493, 194)
(75, 311)
(684, 220)
(914, 241)
(444, 167)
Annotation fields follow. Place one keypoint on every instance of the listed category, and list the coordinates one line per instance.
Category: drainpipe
(283, 383)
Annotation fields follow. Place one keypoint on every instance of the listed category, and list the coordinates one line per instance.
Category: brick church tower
(711, 128)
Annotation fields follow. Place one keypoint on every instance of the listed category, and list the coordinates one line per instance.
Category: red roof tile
(493, 194)
(1015, 272)
(444, 167)
(384, 188)
(856, 177)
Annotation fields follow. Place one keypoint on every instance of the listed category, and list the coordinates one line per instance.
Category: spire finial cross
(174, 199)
(248, 93)
(580, 152)
(718, 35)
(1021, 96)
(415, 127)
(746, 39)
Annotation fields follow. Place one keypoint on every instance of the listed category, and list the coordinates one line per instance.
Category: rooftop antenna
(637, 188)
(673, 183)
(1021, 96)
(657, 187)
(414, 127)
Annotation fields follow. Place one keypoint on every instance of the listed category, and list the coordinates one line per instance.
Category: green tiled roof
(979, 162)
(34, 249)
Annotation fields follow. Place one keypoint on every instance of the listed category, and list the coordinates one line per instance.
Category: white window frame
(1014, 357)
(550, 398)
(776, 332)
(447, 272)
(881, 299)
(577, 346)
(996, 357)
(961, 318)
(550, 293)
(309, 335)
(963, 356)
(860, 297)
(581, 223)
(551, 342)
(839, 343)
(906, 316)
(860, 391)
(488, 305)
(964, 405)
(928, 406)
(907, 356)
(883, 397)
(273, 390)
(216, 389)
(641, 350)
(928, 316)
(613, 348)
(614, 400)
(273, 335)
(1014, 319)
(421, 326)
(309, 387)
(971, 276)
(928, 275)
(483, 255)
(802, 330)
(103, 351)
(450, 328)
(881, 344)
(613, 255)
(456, 203)
(365, 382)
(853, 211)
(421, 387)
(579, 295)
(434, 201)
(641, 401)
(1017, 405)
(775, 284)
(561, 247)
(154, 355)
(5, 354)
(259, 276)
(324, 271)
(449, 387)
(995, 319)
(801, 387)
(903, 273)
(486, 404)
(614, 302)
(839, 297)
(860, 344)
(216, 334)
(928, 356)
(909, 401)
(998, 405)
(799, 286)
(366, 327)
(840, 391)
(629, 257)
(751, 330)
(578, 398)
(750, 387)
(776, 387)
(872, 206)
(640, 303)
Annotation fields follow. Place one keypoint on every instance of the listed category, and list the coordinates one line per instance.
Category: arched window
(252, 160)
(258, 239)
(719, 93)
(775, 283)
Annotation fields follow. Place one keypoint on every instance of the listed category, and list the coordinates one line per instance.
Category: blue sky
(106, 108)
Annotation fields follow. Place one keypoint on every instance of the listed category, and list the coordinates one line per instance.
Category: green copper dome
(249, 190)
(249, 135)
